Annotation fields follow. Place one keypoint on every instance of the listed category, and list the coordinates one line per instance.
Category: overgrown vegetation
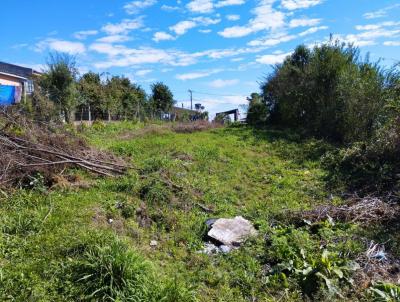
(140, 237)
(330, 92)
(75, 242)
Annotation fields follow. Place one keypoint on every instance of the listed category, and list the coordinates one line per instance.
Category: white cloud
(303, 22)
(312, 30)
(114, 39)
(237, 59)
(170, 8)
(233, 17)
(197, 75)
(19, 46)
(381, 12)
(370, 34)
(377, 25)
(219, 83)
(298, 4)
(205, 31)
(272, 59)
(272, 41)
(122, 56)
(69, 47)
(391, 43)
(123, 27)
(373, 34)
(208, 6)
(82, 35)
(266, 18)
(206, 21)
(182, 27)
(162, 36)
(143, 72)
(229, 3)
(134, 7)
(200, 6)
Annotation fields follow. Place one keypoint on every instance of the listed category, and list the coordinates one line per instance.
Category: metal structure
(235, 112)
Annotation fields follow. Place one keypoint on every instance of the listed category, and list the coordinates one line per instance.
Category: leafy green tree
(113, 96)
(162, 98)
(204, 115)
(59, 81)
(91, 93)
(257, 110)
(133, 99)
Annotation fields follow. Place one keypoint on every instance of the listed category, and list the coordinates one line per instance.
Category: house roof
(16, 70)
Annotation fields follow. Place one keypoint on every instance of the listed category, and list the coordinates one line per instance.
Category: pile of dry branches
(28, 148)
(363, 210)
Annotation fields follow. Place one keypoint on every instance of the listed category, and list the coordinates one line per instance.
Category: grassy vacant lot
(89, 239)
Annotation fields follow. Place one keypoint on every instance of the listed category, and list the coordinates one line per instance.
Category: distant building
(15, 83)
(179, 114)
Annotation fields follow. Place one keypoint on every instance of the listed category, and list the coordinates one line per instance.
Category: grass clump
(110, 271)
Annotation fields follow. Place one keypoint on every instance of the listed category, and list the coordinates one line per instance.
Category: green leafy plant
(385, 292)
(300, 259)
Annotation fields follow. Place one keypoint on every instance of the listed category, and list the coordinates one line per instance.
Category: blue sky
(220, 49)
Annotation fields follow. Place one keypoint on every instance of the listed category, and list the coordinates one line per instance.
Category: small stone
(225, 249)
(110, 221)
(153, 243)
(210, 249)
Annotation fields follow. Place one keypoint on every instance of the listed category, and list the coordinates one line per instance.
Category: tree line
(333, 93)
(61, 93)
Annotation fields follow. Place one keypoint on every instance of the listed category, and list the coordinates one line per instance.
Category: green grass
(58, 245)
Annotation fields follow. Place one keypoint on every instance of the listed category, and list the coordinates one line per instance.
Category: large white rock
(232, 232)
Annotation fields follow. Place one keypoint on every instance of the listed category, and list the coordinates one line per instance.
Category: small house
(16, 82)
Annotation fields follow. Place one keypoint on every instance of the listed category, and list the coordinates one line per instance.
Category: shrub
(363, 167)
(372, 165)
(328, 91)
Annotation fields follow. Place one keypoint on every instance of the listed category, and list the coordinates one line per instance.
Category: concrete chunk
(232, 232)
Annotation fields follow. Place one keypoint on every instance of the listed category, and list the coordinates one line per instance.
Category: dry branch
(27, 148)
(362, 210)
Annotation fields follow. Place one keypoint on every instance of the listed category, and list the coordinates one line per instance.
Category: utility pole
(191, 99)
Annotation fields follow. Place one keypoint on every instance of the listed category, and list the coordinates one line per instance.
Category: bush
(328, 91)
(372, 165)
(363, 167)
